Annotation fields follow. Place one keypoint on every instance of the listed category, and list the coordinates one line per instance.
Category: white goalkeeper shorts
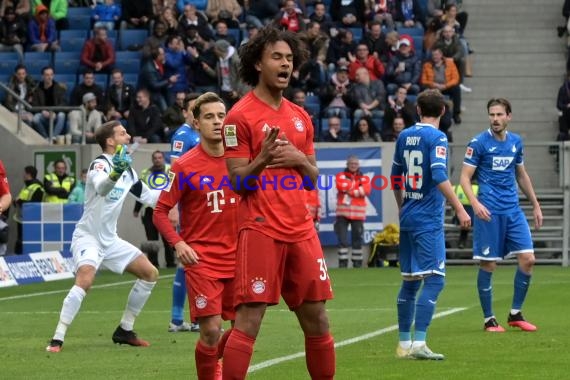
(86, 250)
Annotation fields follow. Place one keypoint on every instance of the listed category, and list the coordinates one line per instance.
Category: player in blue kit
(500, 227)
(184, 139)
(421, 157)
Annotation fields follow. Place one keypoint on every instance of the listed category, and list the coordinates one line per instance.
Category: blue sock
(178, 297)
(522, 281)
(406, 307)
(433, 285)
(485, 292)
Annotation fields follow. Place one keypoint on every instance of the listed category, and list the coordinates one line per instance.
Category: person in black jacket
(119, 98)
(33, 191)
(144, 123)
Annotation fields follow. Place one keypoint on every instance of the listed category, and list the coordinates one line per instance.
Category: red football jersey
(277, 207)
(200, 185)
(4, 186)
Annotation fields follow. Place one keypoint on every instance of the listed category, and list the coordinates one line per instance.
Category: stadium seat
(4, 79)
(130, 37)
(312, 99)
(72, 39)
(66, 62)
(411, 98)
(69, 85)
(8, 62)
(128, 61)
(356, 34)
(81, 22)
(378, 123)
(419, 46)
(64, 78)
(130, 78)
(102, 80)
(315, 109)
(236, 33)
(36, 61)
(110, 34)
(411, 31)
(78, 12)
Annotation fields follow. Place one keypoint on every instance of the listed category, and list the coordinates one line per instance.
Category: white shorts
(87, 250)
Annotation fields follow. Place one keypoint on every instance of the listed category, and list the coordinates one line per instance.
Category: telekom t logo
(216, 199)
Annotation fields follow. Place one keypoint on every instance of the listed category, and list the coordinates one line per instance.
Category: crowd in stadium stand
(132, 61)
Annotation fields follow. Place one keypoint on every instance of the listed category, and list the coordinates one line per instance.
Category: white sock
(488, 319)
(69, 310)
(418, 343)
(405, 344)
(137, 298)
(514, 311)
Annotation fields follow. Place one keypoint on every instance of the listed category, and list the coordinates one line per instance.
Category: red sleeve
(87, 53)
(4, 186)
(379, 68)
(168, 199)
(110, 54)
(237, 138)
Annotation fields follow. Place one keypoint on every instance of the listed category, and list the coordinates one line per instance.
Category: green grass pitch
(363, 318)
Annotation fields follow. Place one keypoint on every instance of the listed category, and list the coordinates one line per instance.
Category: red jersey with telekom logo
(277, 207)
(4, 186)
(208, 211)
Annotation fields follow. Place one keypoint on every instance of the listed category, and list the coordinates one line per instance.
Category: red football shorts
(209, 296)
(267, 269)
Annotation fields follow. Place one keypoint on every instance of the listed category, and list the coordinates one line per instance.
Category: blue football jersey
(496, 165)
(420, 149)
(184, 139)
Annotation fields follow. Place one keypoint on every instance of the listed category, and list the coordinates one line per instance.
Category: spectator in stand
(290, 17)
(352, 190)
(441, 74)
(173, 117)
(563, 105)
(5, 201)
(168, 18)
(404, 69)
(155, 40)
(119, 98)
(191, 17)
(262, 12)
(137, 14)
(88, 85)
(251, 31)
(399, 105)
(226, 10)
(392, 39)
(153, 78)
(321, 16)
(42, 33)
(334, 133)
(316, 41)
(408, 14)
(144, 122)
(375, 40)
(299, 97)
(13, 33)
(57, 10)
(158, 6)
(458, 21)
(364, 130)
(393, 132)
(339, 47)
(22, 8)
(48, 93)
(382, 11)
(364, 59)
(203, 65)
(450, 46)
(222, 33)
(33, 191)
(177, 61)
(348, 13)
(98, 53)
(58, 184)
(87, 119)
(23, 85)
(199, 4)
(368, 96)
(231, 88)
(333, 94)
(106, 15)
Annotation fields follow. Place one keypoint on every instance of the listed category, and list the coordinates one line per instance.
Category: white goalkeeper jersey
(104, 200)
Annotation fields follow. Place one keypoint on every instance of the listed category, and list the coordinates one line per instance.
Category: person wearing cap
(334, 92)
(404, 68)
(57, 9)
(13, 33)
(42, 33)
(252, 31)
(88, 119)
(231, 88)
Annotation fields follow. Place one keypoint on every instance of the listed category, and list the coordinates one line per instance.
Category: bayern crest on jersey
(201, 302)
(299, 126)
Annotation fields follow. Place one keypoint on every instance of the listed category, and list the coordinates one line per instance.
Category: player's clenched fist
(121, 162)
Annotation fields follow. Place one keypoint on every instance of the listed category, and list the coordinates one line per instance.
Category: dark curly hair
(250, 53)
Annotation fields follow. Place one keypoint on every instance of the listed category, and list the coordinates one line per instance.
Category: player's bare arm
(447, 191)
(242, 168)
(525, 184)
(479, 209)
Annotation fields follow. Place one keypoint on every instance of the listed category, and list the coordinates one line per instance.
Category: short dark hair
(431, 103)
(208, 97)
(31, 170)
(189, 97)
(104, 131)
(20, 66)
(59, 161)
(500, 102)
(47, 68)
(251, 53)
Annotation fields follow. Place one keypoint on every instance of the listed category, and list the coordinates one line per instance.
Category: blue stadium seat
(72, 39)
(411, 31)
(130, 78)
(78, 11)
(7, 64)
(312, 99)
(236, 33)
(66, 62)
(356, 34)
(65, 78)
(69, 85)
(79, 22)
(314, 109)
(127, 65)
(412, 98)
(36, 61)
(110, 34)
(419, 46)
(4, 79)
(102, 80)
(129, 37)
(378, 123)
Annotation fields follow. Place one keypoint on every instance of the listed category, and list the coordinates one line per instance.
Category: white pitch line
(38, 294)
(272, 362)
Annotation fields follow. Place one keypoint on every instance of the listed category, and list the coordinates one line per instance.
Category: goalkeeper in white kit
(95, 241)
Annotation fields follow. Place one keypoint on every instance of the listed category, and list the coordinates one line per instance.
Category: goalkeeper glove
(121, 162)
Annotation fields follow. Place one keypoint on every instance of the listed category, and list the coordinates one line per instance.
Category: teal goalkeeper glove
(121, 162)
